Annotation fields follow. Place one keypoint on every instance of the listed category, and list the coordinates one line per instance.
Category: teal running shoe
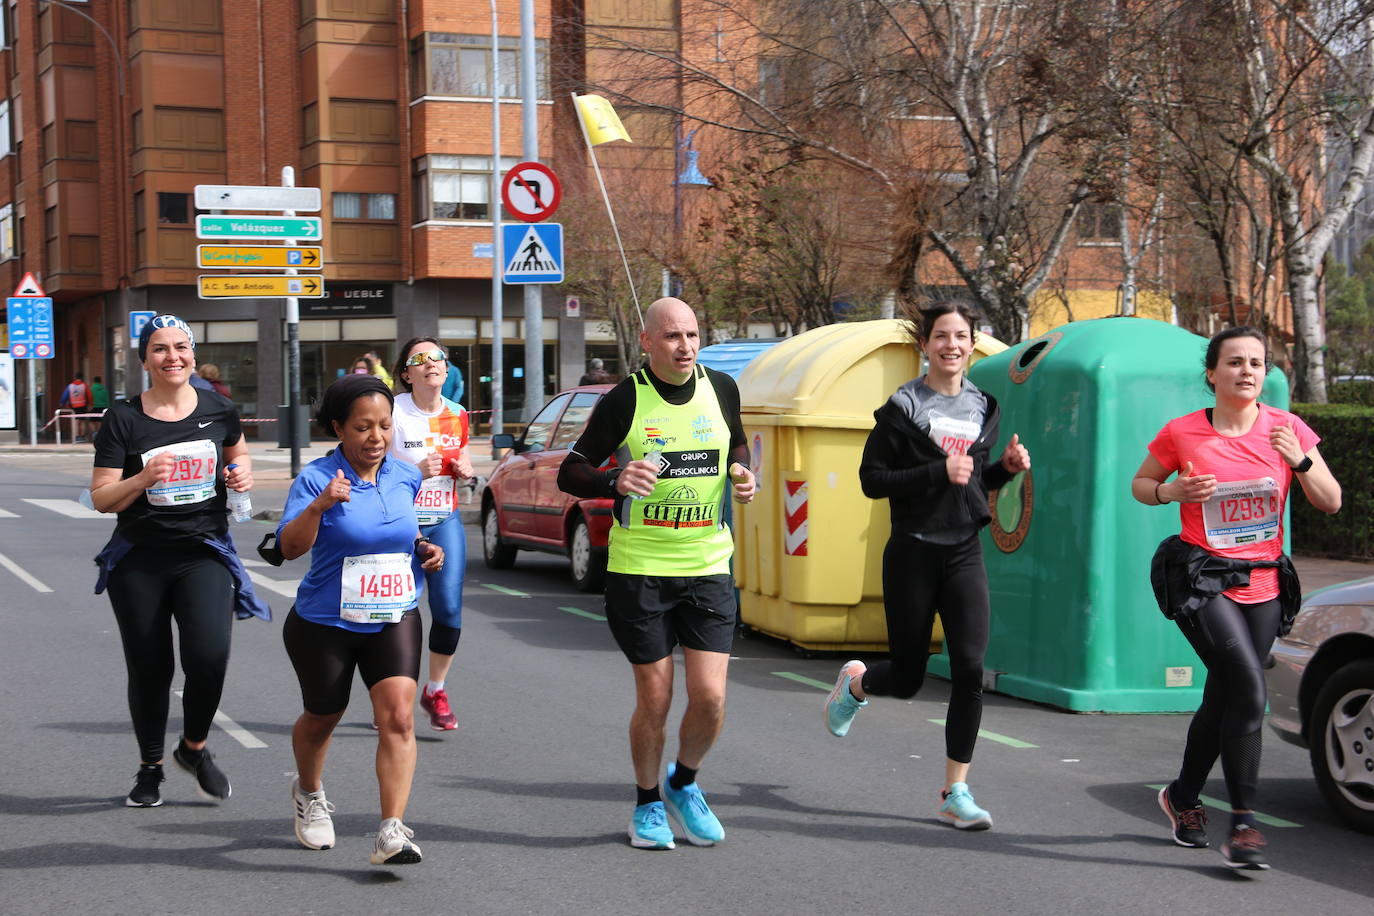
(962, 811)
(688, 809)
(841, 707)
(649, 828)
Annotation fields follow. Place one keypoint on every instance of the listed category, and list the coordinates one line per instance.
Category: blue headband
(162, 321)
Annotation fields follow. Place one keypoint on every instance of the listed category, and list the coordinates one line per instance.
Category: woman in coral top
(1224, 580)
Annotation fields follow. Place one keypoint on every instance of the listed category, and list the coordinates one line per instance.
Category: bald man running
(674, 428)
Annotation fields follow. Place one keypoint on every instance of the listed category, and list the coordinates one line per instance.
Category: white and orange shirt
(416, 434)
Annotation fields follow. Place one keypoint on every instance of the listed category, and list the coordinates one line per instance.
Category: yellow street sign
(257, 257)
(227, 287)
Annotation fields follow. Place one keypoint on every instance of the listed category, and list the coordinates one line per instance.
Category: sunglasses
(432, 356)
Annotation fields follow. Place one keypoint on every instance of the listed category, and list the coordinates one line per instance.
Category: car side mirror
(500, 441)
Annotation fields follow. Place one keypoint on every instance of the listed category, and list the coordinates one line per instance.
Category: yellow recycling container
(809, 548)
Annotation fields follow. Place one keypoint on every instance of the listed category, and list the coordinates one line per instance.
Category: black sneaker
(211, 782)
(146, 792)
(1245, 848)
(1189, 824)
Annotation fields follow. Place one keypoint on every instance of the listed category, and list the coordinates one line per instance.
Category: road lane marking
(68, 507)
(1268, 820)
(285, 589)
(5, 513)
(249, 561)
(993, 736)
(23, 574)
(514, 593)
(810, 682)
(581, 613)
(233, 729)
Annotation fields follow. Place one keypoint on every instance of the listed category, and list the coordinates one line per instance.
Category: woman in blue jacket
(928, 455)
(356, 608)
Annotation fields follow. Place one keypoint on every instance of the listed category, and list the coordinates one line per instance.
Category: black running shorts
(325, 658)
(651, 614)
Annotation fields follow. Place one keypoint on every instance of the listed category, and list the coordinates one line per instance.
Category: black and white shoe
(1188, 824)
(147, 792)
(211, 782)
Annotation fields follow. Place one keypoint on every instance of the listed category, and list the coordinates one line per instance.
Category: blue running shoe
(649, 828)
(688, 809)
(962, 811)
(841, 707)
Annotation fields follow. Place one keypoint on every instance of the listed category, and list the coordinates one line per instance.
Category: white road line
(233, 729)
(68, 507)
(249, 561)
(4, 513)
(22, 574)
(285, 589)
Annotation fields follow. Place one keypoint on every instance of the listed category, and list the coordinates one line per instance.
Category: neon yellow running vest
(678, 530)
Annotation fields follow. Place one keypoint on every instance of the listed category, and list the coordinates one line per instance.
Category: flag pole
(596, 166)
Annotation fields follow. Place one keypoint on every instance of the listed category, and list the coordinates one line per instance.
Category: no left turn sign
(531, 192)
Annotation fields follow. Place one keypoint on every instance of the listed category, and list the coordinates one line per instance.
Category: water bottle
(240, 504)
(654, 457)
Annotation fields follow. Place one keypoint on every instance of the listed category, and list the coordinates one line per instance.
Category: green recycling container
(1074, 621)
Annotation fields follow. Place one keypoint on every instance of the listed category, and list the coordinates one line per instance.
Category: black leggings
(325, 657)
(1233, 641)
(149, 588)
(920, 578)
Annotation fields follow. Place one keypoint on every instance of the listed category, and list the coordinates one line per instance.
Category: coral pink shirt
(1244, 518)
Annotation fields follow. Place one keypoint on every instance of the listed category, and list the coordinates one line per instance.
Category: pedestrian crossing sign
(533, 252)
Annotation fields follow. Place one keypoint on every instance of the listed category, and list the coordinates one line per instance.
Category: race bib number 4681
(193, 474)
(1243, 512)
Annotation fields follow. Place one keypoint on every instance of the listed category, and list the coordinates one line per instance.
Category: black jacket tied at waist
(1185, 577)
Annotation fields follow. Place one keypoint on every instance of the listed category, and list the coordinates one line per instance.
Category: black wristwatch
(1304, 466)
(418, 541)
(611, 477)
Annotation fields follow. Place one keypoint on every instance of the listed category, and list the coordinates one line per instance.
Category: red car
(522, 507)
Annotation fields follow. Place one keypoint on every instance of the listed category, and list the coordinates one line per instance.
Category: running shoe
(649, 828)
(211, 782)
(314, 826)
(441, 717)
(394, 846)
(688, 809)
(1245, 848)
(962, 811)
(1189, 824)
(841, 707)
(146, 792)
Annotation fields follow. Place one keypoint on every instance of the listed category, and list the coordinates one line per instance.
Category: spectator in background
(379, 369)
(362, 366)
(595, 374)
(210, 372)
(453, 384)
(100, 398)
(77, 396)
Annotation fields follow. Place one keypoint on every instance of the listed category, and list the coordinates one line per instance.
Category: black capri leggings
(1233, 641)
(920, 578)
(324, 658)
(151, 587)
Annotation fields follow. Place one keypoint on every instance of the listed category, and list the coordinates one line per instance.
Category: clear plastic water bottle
(240, 504)
(654, 456)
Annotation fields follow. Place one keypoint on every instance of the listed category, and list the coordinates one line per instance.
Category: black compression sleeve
(606, 429)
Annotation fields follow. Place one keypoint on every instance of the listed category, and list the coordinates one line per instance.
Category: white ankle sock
(433, 687)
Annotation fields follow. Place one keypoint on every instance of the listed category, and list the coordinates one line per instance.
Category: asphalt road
(523, 809)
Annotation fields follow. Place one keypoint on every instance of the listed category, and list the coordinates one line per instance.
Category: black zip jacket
(904, 466)
(1185, 576)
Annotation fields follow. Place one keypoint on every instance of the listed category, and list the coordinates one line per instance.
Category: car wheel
(588, 561)
(496, 554)
(1342, 743)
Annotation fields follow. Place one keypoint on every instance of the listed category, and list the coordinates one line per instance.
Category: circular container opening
(1032, 356)
(1031, 353)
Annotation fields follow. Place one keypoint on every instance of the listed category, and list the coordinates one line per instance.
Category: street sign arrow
(250, 228)
(260, 287)
(256, 257)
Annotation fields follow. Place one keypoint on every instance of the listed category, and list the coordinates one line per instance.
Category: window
(6, 139)
(1099, 221)
(574, 419)
(173, 209)
(356, 205)
(540, 430)
(7, 232)
(455, 187)
(444, 63)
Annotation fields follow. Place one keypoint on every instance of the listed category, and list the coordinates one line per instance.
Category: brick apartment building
(385, 105)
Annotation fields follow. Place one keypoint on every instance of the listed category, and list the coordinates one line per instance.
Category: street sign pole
(498, 356)
(33, 405)
(534, 295)
(293, 349)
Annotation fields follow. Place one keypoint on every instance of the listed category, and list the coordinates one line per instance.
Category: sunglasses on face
(432, 356)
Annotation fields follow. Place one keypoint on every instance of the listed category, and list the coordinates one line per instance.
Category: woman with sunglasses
(431, 432)
(163, 461)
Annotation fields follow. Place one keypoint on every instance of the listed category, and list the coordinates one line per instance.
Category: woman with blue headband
(163, 461)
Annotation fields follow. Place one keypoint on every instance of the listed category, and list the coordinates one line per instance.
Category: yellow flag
(602, 123)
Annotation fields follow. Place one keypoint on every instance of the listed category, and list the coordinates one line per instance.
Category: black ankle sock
(1238, 820)
(682, 776)
(189, 755)
(647, 796)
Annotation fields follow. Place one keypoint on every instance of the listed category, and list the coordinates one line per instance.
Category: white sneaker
(314, 826)
(393, 846)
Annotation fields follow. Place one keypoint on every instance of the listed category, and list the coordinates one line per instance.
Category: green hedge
(1351, 393)
(1347, 432)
